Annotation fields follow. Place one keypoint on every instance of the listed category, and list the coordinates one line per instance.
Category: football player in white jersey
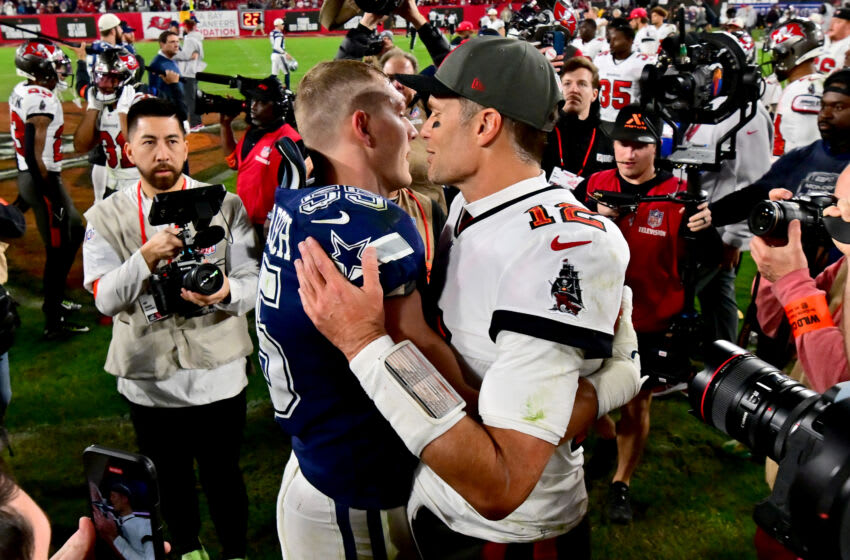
(282, 62)
(619, 71)
(794, 44)
(646, 36)
(837, 44)
(37, 122)
(529, 316)
(657, 15)
(105, 119)
(587, 42)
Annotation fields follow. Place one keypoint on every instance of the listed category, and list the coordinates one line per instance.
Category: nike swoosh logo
(558, 246)
(342, 220)
(751, 132)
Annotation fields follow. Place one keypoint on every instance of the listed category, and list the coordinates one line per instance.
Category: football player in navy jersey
(531, 291)
(349, 475)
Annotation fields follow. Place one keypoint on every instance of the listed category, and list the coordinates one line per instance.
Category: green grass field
(246, 57)
(691, 500)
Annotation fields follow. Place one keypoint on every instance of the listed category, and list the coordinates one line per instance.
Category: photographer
(654, 232)
(183, 377)
(787, 287)
(812, 169)
(255, 158)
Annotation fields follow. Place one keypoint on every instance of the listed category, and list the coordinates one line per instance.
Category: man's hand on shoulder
(775, 262)
(202, 300)
(348, 316)
(163, 245)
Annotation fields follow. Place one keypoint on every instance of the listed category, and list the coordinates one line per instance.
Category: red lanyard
(587, 155)
(142, 214)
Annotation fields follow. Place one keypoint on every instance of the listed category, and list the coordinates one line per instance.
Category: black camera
(702, 78)
(805, 432)
(770, 219)
(268, 88)
(540, 25)
(212, 103)
(188, 270)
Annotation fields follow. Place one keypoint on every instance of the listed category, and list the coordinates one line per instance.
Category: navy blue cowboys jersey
(345, 448)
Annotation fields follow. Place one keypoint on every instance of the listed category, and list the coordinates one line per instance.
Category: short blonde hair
(330, 92)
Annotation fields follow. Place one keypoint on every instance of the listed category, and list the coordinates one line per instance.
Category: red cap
(464, 26)
(637, 13)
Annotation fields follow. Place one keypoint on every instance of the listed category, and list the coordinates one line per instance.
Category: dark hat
(838, 82)
(125, 27)
(634, 124)
(842, 13)
(268, 89)
(505, 74)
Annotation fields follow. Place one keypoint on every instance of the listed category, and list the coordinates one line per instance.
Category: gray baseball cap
(508, 75)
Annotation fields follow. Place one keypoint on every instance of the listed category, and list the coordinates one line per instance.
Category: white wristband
(411, 394)
(618, 380)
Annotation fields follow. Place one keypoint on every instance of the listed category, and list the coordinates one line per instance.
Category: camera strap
(142, 221)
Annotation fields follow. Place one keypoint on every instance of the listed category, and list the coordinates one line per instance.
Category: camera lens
(748, 399)
(764, 218)
(205, 279)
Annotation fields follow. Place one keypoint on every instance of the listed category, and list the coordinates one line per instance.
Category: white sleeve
(564, 283)
(118, 284)
(242, 265)
(128, 93)
(531, 387)
(38, 101)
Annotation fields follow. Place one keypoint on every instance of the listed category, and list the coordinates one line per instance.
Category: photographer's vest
(142, 350)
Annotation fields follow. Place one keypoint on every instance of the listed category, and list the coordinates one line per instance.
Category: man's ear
(488, 123)
(361, 127)
(128, 151)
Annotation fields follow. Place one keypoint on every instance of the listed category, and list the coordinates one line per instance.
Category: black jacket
(569, 146)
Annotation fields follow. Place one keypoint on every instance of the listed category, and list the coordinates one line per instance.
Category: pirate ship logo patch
(566, 290)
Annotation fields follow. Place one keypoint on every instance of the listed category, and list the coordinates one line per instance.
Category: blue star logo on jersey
(347, 256)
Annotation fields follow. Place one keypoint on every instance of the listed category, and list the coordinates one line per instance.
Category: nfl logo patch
(265, 152)
(656, 218)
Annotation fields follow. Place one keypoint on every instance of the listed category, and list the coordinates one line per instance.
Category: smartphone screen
(124, 500)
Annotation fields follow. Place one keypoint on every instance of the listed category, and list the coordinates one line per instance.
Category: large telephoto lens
(748, 399)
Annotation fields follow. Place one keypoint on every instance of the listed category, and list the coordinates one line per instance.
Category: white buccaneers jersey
(619, 82)
(665, 31)
(528, 275)
(772, 93)
(796, 122)
(834, 58)
(112, 138)
(646, 40)
(29, 100)
(592, 48)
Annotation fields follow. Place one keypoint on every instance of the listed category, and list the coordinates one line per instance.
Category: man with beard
(183, 377)
(256, 158)
(812, 169)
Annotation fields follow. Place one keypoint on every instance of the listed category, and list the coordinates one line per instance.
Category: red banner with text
(213, 24)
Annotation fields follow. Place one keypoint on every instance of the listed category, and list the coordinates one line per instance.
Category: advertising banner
(76, 27)
(296, 21)
(211, 24)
